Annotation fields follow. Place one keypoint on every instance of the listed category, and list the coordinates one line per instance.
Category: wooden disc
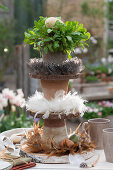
(56, 115)
(43, 158)
(54, 77)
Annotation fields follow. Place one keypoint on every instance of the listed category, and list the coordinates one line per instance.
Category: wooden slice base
(54, 77)
(43, 158)
(56, 115)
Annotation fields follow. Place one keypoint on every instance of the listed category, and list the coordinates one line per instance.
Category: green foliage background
(6, 41)
(106, 111)
(90, 12)
(26, 11)
(3, 7)
(110, 10)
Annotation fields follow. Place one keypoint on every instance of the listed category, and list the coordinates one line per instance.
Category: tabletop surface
(102, 164)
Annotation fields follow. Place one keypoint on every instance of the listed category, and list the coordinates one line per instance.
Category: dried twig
(94, 164)
(76, 131)
(84, 131)
(65, 147)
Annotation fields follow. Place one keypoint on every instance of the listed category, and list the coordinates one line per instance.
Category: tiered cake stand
(55, 70)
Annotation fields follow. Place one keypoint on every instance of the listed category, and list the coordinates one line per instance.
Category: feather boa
(69, 103)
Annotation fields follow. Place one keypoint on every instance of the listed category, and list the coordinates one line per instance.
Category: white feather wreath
(69, 103)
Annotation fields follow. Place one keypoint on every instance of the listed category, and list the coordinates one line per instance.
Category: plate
(5, 165)
(17, 131)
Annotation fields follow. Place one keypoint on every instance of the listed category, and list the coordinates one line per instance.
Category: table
(102, 164)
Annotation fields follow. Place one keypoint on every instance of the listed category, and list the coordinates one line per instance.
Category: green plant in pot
(51, 35)
(55, 40)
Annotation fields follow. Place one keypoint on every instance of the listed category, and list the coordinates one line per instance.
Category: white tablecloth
(102, 164)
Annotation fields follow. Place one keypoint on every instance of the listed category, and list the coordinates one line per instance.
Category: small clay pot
(108, 144)
(57, 57)
(50, 87)
(54, 130)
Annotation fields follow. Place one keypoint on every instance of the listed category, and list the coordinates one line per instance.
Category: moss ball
(75, 138)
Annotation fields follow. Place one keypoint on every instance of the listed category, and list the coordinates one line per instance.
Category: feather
(69, 103)
(76, 159)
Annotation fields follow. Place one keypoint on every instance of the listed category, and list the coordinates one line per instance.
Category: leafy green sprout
(62, 37)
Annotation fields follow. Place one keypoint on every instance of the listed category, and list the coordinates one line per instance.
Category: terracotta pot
(57, 57)
(54, 130)
(50, 87)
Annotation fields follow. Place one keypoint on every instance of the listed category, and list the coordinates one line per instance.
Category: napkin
(15, 160)
(5, 142)
(84, 161)
(9, 152)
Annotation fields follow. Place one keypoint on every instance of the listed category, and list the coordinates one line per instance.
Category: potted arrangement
(51, 35)
(55, 40)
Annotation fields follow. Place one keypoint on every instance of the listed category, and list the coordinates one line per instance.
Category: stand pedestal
(50, 87)
(54, 129)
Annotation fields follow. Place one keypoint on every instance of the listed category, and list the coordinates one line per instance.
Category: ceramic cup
(95, 130)
(108, 144)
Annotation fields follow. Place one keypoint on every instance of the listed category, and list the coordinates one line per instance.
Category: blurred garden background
(95, 83)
